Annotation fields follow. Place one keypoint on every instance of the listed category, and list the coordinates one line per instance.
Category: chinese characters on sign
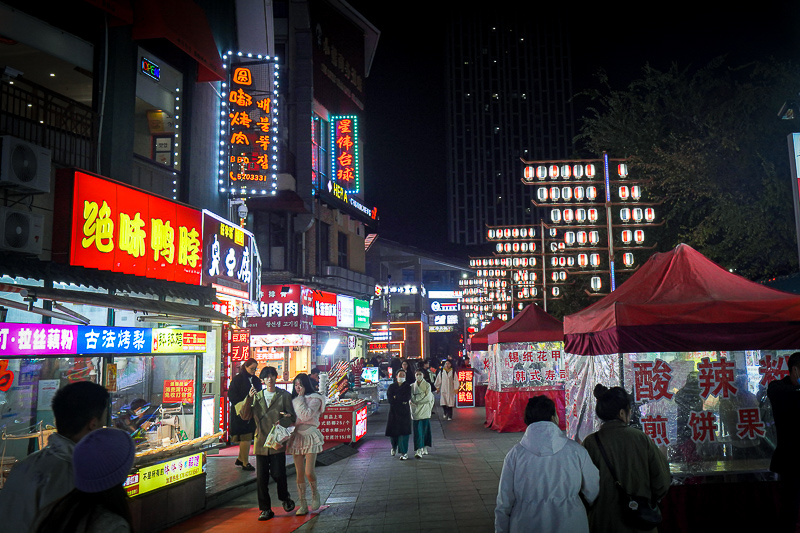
(230, 256)
(345, 423)
(344, 153)
(178, 391)
(530, 365)
(154, 477)
(284, 309)
(252, 128)
(465, 396)
(240, 344)
(118, 228)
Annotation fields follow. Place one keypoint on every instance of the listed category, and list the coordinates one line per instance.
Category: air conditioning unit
(21, 231)
(24, 166)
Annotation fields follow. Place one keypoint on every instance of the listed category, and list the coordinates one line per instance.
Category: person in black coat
(784, 395)
(241, 431)
(398, 425)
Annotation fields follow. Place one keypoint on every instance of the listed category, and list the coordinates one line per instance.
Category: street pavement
(452, 490)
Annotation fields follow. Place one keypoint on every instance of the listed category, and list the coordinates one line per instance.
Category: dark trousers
(448, 411)
(271, 465)
(790, 502)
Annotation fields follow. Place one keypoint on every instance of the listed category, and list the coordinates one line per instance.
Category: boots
(314, 496)
(302, 509)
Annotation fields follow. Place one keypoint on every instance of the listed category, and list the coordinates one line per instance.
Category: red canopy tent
(681, 301)
(480, 341)
(533, 324)
(505, 409)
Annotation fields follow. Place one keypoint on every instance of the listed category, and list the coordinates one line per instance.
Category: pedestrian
(395, 364)
(315, 378)
(407, 367)
(429, 373)
(638, 464)
(98, 503)
(269, 407)
(242, 431)
(46, 476)
(544, 476)
(398, 423)
(421, 406)
(447, 385)
(784, 395)
(306, 440)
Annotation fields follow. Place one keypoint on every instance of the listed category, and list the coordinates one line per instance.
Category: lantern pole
(607, 177)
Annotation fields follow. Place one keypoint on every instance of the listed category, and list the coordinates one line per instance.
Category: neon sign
(150, 69)
(249, 133)
(345, 160)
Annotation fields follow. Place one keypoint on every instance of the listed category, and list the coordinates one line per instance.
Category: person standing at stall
(544, 477)
(241, 431)
(306, 440)
(269, 407)
(421, 406)
(447, 385)
(638, 464)
(46, 476)
(398, 423)
(784, 395)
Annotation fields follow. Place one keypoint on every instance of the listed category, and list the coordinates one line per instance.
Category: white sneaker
(418, 454)
(449, 417)
(394, 451)
(425, 450)
(404, 457)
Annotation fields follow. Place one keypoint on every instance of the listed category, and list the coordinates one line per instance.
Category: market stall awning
(532, 324)
(184, 24)
(480, 341)
(681, 301)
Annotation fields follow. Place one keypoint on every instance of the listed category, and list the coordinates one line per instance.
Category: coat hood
(543, 438)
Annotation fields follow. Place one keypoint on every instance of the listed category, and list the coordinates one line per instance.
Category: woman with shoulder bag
(634, 474)
(242, 431)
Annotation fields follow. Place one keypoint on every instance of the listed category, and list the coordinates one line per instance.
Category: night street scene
(356, 267)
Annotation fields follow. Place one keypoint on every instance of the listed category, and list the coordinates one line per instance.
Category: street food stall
(527, 360)
(480, 360)
(696, 347)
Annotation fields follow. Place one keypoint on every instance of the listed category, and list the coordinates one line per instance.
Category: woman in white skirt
(306, 440)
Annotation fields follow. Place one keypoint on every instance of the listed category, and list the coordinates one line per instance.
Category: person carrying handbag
(631, 467)
(269, 407)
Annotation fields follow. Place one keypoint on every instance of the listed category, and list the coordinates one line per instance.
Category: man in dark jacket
(784, 395)
(268, 407)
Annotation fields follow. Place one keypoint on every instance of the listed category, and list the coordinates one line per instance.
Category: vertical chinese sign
(249, 132)
(345, 161)
(123, 229)
(465, 396)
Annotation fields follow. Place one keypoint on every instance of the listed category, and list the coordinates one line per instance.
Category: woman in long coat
(398, 425)
(447, 385)
(421, 407)
(639, 464)
(241, 431)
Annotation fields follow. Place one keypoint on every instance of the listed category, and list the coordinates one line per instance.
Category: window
(324, 242)
(343, 245)
(319, 150)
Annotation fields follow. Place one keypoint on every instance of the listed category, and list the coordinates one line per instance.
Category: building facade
(508, 98)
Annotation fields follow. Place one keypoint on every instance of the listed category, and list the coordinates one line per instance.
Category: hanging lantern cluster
(559, 172)
(522, 232)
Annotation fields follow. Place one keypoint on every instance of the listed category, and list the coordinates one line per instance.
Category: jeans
(275, 466)
(400, 443)
(422, 433)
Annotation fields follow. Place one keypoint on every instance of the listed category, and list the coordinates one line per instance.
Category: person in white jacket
(543, 478)
(421, 406)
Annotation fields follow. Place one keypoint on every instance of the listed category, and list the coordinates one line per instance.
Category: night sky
(404, 122)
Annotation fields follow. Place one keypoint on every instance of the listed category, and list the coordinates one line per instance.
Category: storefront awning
(363, 334)
(171, 309)
(184, 24)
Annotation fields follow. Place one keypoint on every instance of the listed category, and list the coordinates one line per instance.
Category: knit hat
(102, 459)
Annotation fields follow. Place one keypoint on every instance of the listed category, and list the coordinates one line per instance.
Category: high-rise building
(508, 97)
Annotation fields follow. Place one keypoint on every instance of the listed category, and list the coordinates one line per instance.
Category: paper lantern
(649, 214)
(555, 215)
(555, 193)
(627, 259)
(638, 215)
(524, 233)
(554, 261)
(580, 215)
(592, 215)
(627, 236)
(555, 291)
(594, 260)
(499, 247)
(568, 215)
(566, 193)
(594, 237)
(591, 193)
(515, 247)
(566, 171)
(590, 171)
(623, 193)
(581, 238)
(507, 247)
(638, 236)
(622, 170)
(636, 192)
(515, 233)
(507, 233)
(530, 173)
(625, 214)
(553, 171)
(579, 193)
(577, 171)
(583, 260)
(554, 276)
(596, 283)
(553, 232)
(569, 238)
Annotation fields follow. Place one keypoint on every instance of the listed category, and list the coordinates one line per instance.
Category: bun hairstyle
(610, 401)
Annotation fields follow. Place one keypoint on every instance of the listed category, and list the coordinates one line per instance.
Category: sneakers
(265, 515)
(418, 454)
(425, 450)
(248, 467)
(394, 451)
(288, 505)
(404, 457)
(449, 417)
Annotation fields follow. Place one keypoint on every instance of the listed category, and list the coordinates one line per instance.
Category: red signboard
(465, 396)
(240, 345)
(336, 423)
(122, 229)
(285, 309)
(324, 309)
(178, 391)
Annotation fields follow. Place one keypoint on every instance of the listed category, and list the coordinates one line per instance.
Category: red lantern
(579, 194)
(649, 214)
(622, 170)
(592, 215)
(581, 237)
(623, 193)
(638, 236)
(530, 173)
(591, 193)
(590, 171)
(594, 260)
(627, 236)
(594, 237)
(568, 216)
(627, 258)
(583, 260)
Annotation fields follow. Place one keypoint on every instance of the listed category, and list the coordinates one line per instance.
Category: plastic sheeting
(481, 363)
(584, 373)
(524, 365)
(505, 410)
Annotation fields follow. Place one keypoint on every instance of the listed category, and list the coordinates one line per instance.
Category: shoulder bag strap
(608, 463)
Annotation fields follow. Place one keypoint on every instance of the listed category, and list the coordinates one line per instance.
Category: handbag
(638, 512)
(277, 436)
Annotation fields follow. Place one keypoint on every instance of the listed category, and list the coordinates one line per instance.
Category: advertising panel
(285, 309)
(154, 477)
(228, 250)
(465, 396)
(324, 309)
(122, 229)
(345, 311)
(362, 314)
(179, 391)
(345, 160)
(167, 340)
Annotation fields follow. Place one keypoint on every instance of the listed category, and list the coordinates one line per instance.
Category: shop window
(319, 150)
(342, 250)
(271, 234)
(325, 242)
(157, 119)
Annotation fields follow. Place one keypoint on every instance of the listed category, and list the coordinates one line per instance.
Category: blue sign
(112, 339)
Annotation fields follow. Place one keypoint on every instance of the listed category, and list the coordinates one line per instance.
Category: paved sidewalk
(451, 490)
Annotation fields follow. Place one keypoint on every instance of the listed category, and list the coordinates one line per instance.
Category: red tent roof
(533, 324)
(681, 301)
(479, 341)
